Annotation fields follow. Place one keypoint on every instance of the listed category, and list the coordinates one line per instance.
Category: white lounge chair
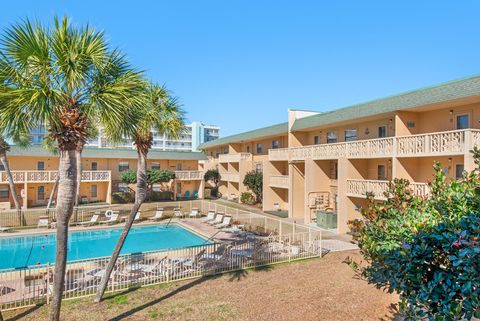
(218, 219)
(210, 217)
(158, 215)
(93, 220)
(225, 223)
(194, 213)
(113, 219)
(138, 217)
(42, 222)
(177, 212)
(4, 229)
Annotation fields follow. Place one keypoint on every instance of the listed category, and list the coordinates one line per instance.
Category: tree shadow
(25, 313)
(394, 314)
(234, 276)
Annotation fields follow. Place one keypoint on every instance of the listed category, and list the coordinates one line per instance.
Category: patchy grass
(319, 289)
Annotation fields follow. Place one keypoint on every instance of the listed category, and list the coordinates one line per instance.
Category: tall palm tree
(65, 78)
(162, 113)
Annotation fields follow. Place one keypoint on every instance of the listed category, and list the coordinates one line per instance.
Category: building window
(179, 188)
(2, 168)
(155, 165)
(225, 151)
(316, 140)
(331, 137)
(350, 135)
(123, 166)
(93, 191)
(275, 144)
(258, 167)
(4, 192)
(94, 166)
(157, 187)
(333, 170)
(382, 131)
(381, 172)
(40, 166)
(248, 149)
(459, 168)
(123, 187)
(41, 193)
(463, 121)
(259, 148)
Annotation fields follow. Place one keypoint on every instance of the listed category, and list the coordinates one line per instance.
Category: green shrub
(425, 249)
(254, 181)
(247, 198)
(122, 198)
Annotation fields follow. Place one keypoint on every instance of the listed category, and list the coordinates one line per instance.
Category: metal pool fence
(284, 242)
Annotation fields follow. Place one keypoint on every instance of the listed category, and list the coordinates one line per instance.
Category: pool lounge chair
(42, 222)
(113, 219)
(93, 220)
(210, 217)
(5, 229)
(218, 219)
(138, 217)
(158, 215)
(194, 212)
(177, 212)
(225, 223)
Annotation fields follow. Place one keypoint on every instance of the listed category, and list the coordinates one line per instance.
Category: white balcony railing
(360, 188)
(279, 154)
(230, 177)
(188, 175)
(446, 143)
(50, 176)
(280, 181)
(234, 158)
(433, 144)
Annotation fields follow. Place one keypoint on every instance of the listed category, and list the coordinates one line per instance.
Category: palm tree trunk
(139, 198)
(78, 156)
(65, 200)
(11, 184)
(1, 316)
(52, 193)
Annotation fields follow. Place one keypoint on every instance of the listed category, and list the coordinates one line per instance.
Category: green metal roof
(461, 88)
(273, 130)
(124, 153)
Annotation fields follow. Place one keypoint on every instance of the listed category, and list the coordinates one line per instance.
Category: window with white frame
(123, 166)
(157, 187)
(258, 167)
(331, 137)
(94, 166)
(40, 166)
(382, 131)
(4, 192)
(155, 165)
(259, 148)
(350, 135)
(275, 144)
(463, 121)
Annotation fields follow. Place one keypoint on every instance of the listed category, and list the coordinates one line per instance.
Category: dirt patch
(318, 289)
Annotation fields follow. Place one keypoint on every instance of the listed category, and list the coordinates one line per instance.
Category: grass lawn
(318, 289)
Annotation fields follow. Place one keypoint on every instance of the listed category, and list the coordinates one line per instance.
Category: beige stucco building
(34, 170)
(319, 166)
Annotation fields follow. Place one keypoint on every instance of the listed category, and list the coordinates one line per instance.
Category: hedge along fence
(33, 285)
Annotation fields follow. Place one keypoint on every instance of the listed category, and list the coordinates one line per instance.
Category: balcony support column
(468, 161)
(342, 199)
(25, 195)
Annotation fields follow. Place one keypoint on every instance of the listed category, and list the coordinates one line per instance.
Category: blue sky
(243, 64)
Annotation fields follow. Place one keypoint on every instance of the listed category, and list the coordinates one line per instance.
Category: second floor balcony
(189, 175)
(360, 188)
(50, 176)
(279, 181)
(448, 143)
(230, 177)
(234, 158)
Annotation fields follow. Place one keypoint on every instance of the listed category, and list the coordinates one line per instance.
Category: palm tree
(162, 113)
(65, 78)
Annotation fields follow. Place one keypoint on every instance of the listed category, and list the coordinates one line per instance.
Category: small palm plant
(66, 79)
(162, 113)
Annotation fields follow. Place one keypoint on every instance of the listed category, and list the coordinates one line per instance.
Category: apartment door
(463, 121)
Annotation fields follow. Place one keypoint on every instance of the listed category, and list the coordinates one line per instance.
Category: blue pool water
(30, 250)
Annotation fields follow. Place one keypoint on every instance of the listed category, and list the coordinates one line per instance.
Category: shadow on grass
(234, 276)
(25, 313)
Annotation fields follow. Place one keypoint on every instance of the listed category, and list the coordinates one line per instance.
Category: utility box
(327, 219)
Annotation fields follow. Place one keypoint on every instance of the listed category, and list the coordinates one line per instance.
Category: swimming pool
(28, 250)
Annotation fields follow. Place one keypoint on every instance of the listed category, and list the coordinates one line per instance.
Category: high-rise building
(194, 134)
